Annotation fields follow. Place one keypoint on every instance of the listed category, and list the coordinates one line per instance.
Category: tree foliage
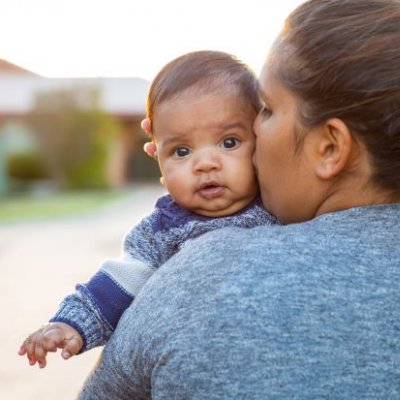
(74, 136)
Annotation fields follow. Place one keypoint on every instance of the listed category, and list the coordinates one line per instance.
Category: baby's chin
(216, 212)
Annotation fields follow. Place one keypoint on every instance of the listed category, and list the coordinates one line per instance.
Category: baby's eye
(230, 143)
(181, 151)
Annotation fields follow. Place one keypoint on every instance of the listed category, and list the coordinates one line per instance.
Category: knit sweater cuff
(87, 322)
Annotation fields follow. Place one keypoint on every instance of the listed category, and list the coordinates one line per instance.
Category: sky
(133, 38)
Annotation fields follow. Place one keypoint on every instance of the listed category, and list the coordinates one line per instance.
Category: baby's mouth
(211, 190)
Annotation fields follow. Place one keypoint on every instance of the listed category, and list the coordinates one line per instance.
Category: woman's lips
(211, 191)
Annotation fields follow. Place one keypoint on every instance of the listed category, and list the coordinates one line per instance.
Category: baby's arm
(68, 330)
(88, 317)
(51, 337)
(97, 305)
(105, 297)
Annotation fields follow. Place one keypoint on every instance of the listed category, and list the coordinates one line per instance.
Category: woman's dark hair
(341, 58)
(205, 71)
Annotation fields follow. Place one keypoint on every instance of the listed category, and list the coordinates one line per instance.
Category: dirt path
(39, 264)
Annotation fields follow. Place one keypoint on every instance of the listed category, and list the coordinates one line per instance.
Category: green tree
(75, 137)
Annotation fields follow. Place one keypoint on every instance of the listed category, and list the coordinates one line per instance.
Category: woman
(308, 309)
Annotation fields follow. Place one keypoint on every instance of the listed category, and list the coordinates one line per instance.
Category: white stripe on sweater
(130, 274)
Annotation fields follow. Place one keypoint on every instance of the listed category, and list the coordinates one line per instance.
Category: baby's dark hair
(206, 72)
(341, 59)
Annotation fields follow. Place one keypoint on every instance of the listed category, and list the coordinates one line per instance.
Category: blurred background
(74, 77)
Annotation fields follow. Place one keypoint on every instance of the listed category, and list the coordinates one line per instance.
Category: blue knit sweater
(96, 307)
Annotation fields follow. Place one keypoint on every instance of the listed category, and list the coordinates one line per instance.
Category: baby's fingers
(40, 355)
(52, 338)
(28, 348)
(22, 350)
(72, 346)
(150, 149)
(146, 125)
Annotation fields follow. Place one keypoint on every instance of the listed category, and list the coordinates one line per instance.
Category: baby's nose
(206, 161)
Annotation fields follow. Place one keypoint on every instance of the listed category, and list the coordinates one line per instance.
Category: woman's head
(340, 59)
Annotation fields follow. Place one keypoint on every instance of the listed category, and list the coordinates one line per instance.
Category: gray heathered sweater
(304, 311)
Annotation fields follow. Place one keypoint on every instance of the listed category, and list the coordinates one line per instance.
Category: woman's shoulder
(345, 231)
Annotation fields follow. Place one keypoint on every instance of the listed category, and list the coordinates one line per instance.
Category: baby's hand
(51, 337)
(149, 148)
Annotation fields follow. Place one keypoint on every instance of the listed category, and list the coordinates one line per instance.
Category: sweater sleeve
(79, 311)
(97, 305)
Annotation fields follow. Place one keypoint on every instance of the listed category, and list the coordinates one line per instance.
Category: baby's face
(205, 144)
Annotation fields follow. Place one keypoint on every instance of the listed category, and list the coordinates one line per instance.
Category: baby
(200, 112)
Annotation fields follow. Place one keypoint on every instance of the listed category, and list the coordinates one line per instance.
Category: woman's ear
(334, 148)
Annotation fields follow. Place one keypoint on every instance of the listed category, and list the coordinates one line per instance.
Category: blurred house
(123, 98)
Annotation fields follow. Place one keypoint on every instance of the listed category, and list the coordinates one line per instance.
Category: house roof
(118, 96)
(8, 67)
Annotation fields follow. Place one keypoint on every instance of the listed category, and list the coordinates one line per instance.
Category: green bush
(28, 166)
